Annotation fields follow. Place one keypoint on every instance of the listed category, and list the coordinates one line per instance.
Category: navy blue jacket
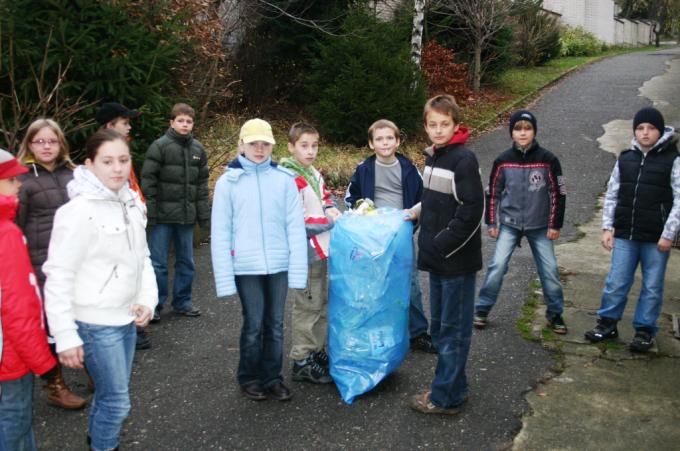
(362, 184)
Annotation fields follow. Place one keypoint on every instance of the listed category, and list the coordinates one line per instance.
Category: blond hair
(25, 154)
(382, 123)
(444, 104)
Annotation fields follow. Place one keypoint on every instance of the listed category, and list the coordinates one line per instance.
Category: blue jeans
(108, 357)
(182, 236)
(546, 266)
(625, 258)
(452, 302)
(263, 298)
(16, 414)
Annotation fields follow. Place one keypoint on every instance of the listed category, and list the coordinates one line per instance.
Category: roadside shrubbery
(364, 75)
(578, 42)
(537, 34)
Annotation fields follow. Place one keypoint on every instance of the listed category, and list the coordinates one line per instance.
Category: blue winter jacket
(257, 225)
(362, 184)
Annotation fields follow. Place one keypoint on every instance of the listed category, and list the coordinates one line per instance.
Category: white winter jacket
(98, 263)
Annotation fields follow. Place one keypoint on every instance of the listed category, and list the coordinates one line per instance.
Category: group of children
(270, 231)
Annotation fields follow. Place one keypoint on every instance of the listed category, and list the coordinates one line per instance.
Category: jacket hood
(667, 136)
(86, 184)
(8, 207)
(34, 166)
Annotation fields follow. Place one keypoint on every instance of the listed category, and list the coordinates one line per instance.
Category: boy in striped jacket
(310, 321)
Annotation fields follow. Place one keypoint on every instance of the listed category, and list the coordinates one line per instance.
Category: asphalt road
(184, 392)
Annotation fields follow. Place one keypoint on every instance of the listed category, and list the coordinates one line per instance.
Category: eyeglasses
(42, 142)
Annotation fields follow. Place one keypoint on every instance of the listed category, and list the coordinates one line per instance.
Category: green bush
(364, 75)
(114, 54)
(538, 34)
(578, 42)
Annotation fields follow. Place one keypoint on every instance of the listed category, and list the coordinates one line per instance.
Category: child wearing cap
(175, 184)
(259, 249)
(641, 215)
(116, 117)
(23, 341)
(526, 197)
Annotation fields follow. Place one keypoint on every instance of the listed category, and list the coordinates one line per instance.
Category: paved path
(184, 392)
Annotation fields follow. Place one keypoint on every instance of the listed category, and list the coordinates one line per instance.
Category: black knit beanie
(523, 115)
(651, 116)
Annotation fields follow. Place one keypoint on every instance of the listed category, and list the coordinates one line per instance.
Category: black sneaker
(320, 357)
(423, 342)
(191, 312)
(556, 324)
(143, 340)
(642, 341)
(278, 391)
(606, 328)
(480, 320)
(309, 370)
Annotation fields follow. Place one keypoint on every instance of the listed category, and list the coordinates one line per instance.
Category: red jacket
(23, 340)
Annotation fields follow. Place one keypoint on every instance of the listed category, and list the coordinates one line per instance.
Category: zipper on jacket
(259, 198)
(126, 220)
(114, 273)
(637, 183)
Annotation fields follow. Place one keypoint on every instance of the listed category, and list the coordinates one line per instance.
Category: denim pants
(263, 298)
(417, 322)
(182, 236)
(625, 258)
(452, 301)
(108, 357)
(546, 266)
(310, 313)
(16, 414)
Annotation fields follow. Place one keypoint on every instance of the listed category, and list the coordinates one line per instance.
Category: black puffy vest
(645, 193)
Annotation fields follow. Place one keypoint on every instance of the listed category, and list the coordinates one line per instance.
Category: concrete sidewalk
(607, 397)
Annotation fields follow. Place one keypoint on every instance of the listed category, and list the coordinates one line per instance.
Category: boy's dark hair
(182, 109)
(382, 123)
(95, 141)
(445, 104)
(298, 129)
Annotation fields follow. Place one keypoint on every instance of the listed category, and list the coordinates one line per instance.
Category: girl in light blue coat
(259, 249)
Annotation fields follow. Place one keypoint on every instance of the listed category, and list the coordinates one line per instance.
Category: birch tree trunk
(417, 32)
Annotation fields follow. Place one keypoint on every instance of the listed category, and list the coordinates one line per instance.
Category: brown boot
(58, 393)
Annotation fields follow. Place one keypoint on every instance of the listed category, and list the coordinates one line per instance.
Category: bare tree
(482, 20)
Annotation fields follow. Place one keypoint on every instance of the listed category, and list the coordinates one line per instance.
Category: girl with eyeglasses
(45, 152)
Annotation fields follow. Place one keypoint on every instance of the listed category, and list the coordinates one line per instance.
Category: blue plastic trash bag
(370, 278)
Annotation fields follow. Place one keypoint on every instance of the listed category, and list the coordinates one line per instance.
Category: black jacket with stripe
(452, 209)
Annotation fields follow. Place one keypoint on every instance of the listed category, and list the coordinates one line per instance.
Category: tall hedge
(364, 75)
(115, 52)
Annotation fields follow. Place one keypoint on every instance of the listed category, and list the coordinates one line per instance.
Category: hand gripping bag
(370, 277)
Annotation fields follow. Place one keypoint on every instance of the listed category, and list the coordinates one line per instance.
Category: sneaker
(606, 328)
(321, 357)
(422, 404)
(156, 316)
(309, 370)
(423, 342)
(642, 341)
(556, 324)
(480, 320)
(143, 340)
(190, 312)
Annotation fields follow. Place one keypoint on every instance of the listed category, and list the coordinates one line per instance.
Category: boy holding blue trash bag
(392, 180)
(450, 249)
